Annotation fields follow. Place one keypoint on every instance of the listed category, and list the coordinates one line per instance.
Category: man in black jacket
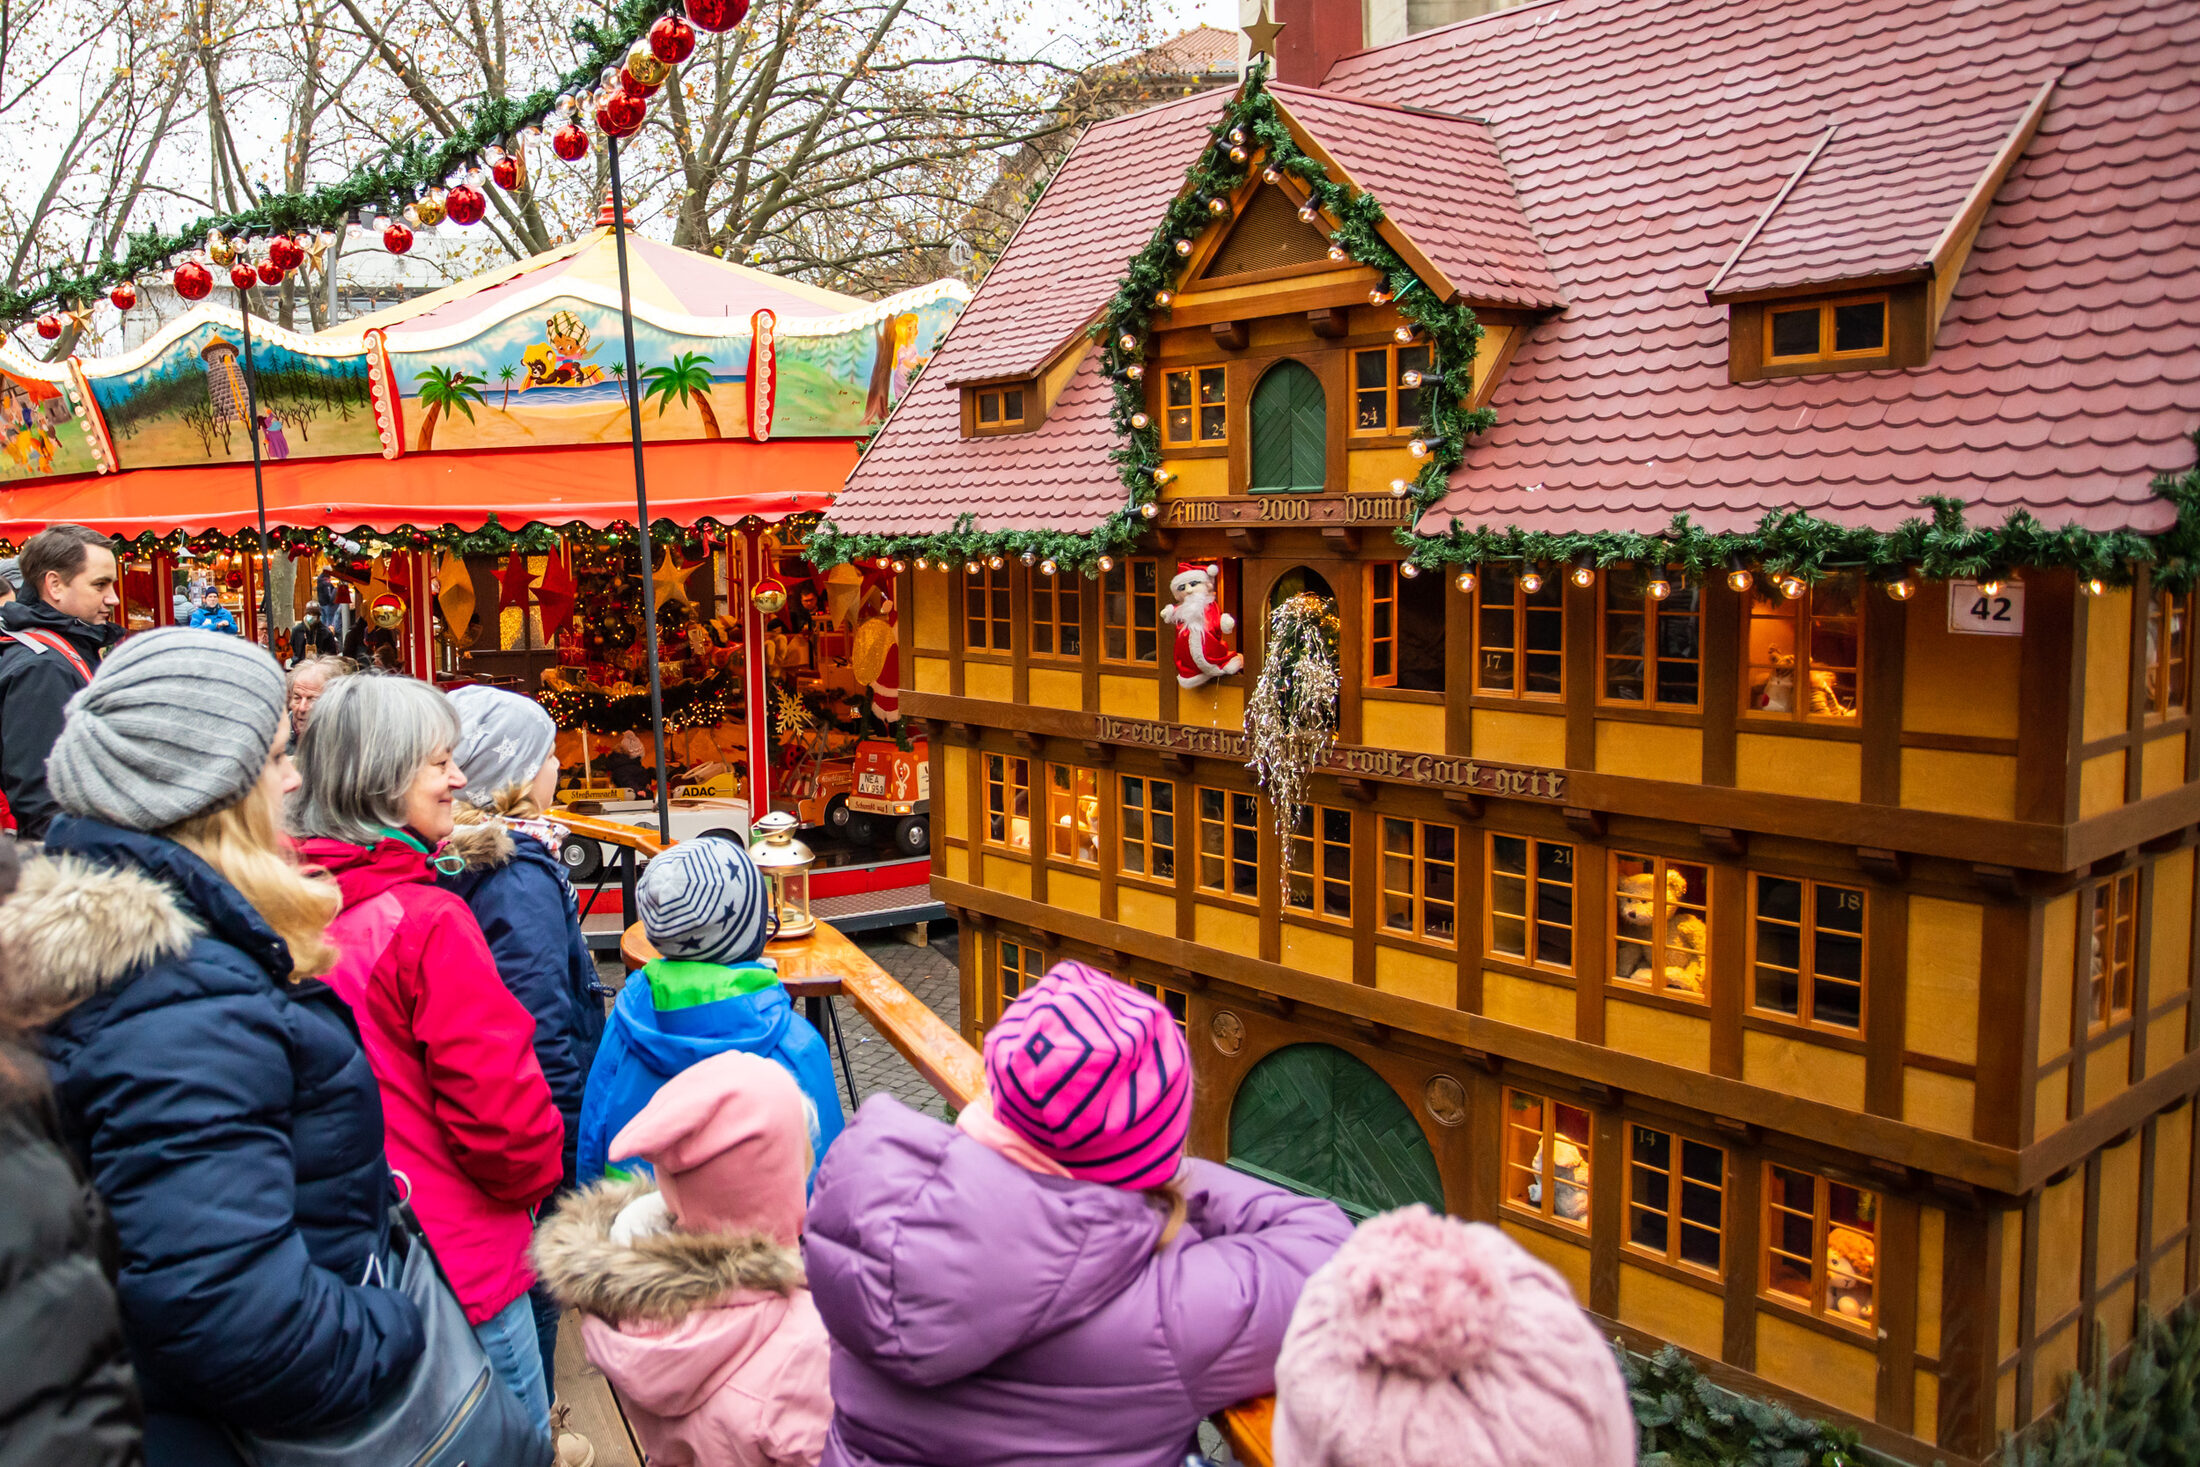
(56, 635)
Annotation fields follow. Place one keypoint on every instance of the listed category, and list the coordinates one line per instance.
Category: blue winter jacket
(228, 1118)
(213, 619)
(519, 893)
(643, 1048)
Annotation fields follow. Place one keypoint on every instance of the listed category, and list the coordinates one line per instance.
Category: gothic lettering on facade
(1447, 771)
(1289, 509)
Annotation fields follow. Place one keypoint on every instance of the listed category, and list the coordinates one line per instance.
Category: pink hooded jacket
(693, 1298)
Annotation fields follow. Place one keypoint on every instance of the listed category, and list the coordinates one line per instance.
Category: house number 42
(1995, 613)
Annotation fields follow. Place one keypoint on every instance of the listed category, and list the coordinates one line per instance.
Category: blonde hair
(240, 843)
(514, 802)
(1169, 1197)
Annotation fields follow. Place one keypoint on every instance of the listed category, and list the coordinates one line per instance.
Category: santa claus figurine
(1201, 624)
(875, 656)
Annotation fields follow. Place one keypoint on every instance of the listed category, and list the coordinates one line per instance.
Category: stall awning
(721, 479)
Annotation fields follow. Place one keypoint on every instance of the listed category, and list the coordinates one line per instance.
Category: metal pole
(259, 489)
(641, 498)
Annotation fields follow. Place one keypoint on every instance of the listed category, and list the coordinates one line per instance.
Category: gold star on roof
(1260, 36)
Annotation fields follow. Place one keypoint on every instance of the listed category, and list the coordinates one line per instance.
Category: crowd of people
(295, 987)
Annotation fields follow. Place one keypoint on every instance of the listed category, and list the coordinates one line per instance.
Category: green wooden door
(1314, 1119)
(1290, 432)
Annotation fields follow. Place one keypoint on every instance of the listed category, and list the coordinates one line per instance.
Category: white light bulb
(1464, 581)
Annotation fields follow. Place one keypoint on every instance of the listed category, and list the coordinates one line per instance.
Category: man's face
(91, 595)
(305, 691)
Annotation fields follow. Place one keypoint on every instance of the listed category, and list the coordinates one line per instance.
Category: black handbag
(451, 1410)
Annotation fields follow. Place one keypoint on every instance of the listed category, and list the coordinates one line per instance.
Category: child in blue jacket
(707, 910)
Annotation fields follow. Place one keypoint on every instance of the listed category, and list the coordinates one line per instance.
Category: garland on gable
(532, 538)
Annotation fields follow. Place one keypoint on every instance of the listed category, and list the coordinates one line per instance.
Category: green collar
(677, 985)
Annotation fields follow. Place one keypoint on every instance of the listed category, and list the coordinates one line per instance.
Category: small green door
(1290, 432)
(1316, 1120)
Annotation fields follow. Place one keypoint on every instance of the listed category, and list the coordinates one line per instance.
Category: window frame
(1676, 1181)
(1806, 977)
(2115, 897)
(1546, 1207)
(1534, 884)
(2167, 670)
(1393, 389)
(1802, 614)
(1657, 984)
(1826, 309)
(1822, 1226)
(1066, 799)
(1131, 627)
(1653, 611)
(1048, 594)
(1519, 610)
(1372, 641)
(1175, 1000)
(994, 774)
(1318, 844)
(1196, 376)
(1029, 969)
(1147, 843)
(1418, 899)
(1229, 825)
(999, 615)
(999, 393)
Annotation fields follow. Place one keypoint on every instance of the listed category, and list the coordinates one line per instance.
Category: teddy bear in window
(1682, 959)
(1569, 1180)
(1201, 624)
(1775, 692)
(1852, 1262)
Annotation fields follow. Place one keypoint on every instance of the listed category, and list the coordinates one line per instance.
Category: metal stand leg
(847, 1071)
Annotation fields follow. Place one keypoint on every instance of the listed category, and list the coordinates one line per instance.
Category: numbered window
(1192, 407)
(998, 409)
(1057, 627)
(1807, 944)
(1547, 1158)
(1073, 814)
(1520, 637)
(1653, 643)
(2110, 948)
(1319, 877)
(1531, 908)
(1676, 1199)
(986, 610)
(1826, 331)
(1420, 880)
(1178, 1005)
(1821, 1245)
(1405, 629)
(1130, 623)
(1020, 966)
(1804, 653)
(1381, 400)
(2169, 656)
(1661, 925)
(1148, 843)
(1229, 843)
(1008, 802)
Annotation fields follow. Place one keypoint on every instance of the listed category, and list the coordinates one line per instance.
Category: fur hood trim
(482, 839)
(660, 1278)
(73, 928)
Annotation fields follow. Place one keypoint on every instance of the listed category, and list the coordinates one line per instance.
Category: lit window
(1808, 948)
(1320, 875)
(1057, 629)
(1547, 1158)
(1804, 652)
(1008, 802)
(1660, 923)
(2169, 655)
(1653, 645)
(1149, 828)
(1520, 637)
(1130, 625)
(1405, 629)
(1193, 407)
(2110, 949)
(986, 610)
(1531, 914)
(1229, 843)
(1420, 879)
(1676, 1198)
(1826, 331)
(1073, 814)
(1821, 1245)
(1381, 401)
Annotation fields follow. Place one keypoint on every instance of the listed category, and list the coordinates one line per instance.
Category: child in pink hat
(1431, 1342)
(692, 1291)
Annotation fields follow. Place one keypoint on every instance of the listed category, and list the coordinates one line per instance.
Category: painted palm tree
(505, 374)
(445, 391)
(688, 378)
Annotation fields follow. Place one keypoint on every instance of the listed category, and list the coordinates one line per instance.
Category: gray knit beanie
(503, 739)
(704, 901)
(11, 571)
(175, 723)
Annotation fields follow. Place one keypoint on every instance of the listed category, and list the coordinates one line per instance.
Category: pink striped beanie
(1096, 1075)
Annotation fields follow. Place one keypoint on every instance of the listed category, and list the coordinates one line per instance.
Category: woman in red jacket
(470, 1121)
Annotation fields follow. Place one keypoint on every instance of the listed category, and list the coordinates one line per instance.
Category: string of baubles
(619, 105)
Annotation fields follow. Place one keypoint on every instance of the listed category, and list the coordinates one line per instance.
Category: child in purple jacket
(1050, 1280)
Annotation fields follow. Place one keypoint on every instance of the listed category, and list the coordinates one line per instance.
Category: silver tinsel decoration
(1291, 719)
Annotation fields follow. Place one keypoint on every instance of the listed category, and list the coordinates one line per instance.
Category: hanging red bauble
(49, 327)
(271, 273)
(284, 253)
(717, 15)
(672, 40)
(193, 280)
(509, 173)
(124, 296)
(464, 204)
(623, 114)
(630, 87)
(570, 143)
(243, 276)
(396, 238)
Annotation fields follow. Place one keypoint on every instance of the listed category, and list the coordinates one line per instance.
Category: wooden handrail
(612, 831)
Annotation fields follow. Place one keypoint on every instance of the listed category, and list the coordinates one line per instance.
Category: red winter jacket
(467, 1112)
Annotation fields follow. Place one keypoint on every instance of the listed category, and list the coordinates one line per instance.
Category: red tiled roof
(1646, 136)
(1441, 181)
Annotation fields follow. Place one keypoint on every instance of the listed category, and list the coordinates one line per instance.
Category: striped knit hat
(703, 901)
(1096, 1075)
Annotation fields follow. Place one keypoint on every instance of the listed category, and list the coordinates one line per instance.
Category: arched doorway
(1312, 1118)
(1290, 423)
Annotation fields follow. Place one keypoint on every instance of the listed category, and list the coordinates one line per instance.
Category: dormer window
(1002, 408)
(1825, 331)
(1849, 331)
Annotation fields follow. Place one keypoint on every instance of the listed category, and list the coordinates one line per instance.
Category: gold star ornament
(1260, 36)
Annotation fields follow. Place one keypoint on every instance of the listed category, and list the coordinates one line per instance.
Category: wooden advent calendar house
(1793, 946)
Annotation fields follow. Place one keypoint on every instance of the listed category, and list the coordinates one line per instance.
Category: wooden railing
(610, 832)
(825, 964)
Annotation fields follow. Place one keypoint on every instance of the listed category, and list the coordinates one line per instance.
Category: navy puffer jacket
(228, 1118)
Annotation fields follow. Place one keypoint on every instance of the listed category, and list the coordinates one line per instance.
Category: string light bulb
(900, 566)
(1422, 447)
(1336, 254)
(1531, 580)
(1791, 586)
(1136, 371)
(2094, 586)
(1465, 582)
(1027, 557)
(1218, 207)
(994, 562)
(972, 567)
(1183, 248)
(1904, 586)
(1269, 175)
(1415, 377)
(1139, 420)
(1046, 567)
(1307, 212)
(1127, 341)
(1162, 298)
(1992, 586)
(1148, 510)
(1162, 475)
(1738, 577)
(1237, 155)
(1408, 569)
(1405, 333)
(1107, 562)
(923, 564)
(1378, 297)
(1584, 571)
(1659, 588)
(1237, 134)
(1399, 487)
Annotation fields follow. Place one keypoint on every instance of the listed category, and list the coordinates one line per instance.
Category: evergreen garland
(1686, 1421)
(533, 538)
(400, 173)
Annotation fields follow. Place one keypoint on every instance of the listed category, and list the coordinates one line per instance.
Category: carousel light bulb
(1790, 586)
(1531, 580)
(1464, 581)
(1408, 569)
(1660, 588)
(1047, 567)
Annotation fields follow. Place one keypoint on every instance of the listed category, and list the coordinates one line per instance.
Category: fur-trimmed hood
(74, 927)
(482, 839)
(657, 1278)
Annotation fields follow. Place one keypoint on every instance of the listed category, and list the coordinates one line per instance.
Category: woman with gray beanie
(212, 1088)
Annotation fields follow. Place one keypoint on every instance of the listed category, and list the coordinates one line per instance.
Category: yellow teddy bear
(1852, 1263)
(1686, 937)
